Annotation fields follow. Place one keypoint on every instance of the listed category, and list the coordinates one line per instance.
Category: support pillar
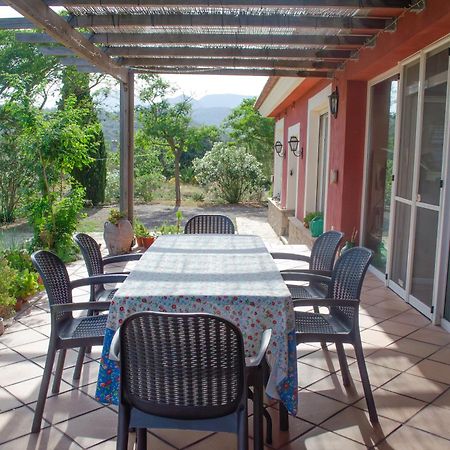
(127, 146)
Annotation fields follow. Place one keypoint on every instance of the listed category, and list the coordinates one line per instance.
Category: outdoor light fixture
(334, 102)
(278, 146)
(293, 145)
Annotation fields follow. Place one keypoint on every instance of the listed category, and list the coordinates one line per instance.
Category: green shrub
(198, 197)
(310, 216)
(7, 300)
(231, 171)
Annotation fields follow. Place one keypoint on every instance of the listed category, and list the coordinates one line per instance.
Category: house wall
(414, 32)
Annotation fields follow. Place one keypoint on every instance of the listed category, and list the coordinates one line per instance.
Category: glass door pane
(322, 157)
(383, 113)
(402, 223)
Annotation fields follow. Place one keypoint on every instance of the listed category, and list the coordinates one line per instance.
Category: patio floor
(408, 361)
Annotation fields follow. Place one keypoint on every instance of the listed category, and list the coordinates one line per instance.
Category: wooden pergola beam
(43, 17)
(239, 52)
(116, 21)
(286, 4)
(247, 72)
(228, 62)
(338, 41)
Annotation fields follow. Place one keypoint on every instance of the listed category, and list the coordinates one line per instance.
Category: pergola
(277, 38)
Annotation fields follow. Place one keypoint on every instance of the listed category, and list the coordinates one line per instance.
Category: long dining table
(231, 276)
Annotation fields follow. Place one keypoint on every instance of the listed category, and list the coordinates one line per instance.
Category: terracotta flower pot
(148, 241)
(139, 241)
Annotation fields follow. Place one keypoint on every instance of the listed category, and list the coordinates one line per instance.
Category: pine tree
(92, 177)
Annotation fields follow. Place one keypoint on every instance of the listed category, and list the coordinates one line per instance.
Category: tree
(247, 128)
(93, 176)
(170, 125)
(231, 171)
(24, 71)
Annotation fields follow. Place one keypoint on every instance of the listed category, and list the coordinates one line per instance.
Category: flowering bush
(231, 171)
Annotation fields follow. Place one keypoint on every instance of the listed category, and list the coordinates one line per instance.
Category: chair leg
(59, 371)
(141, 438)
(258, 408)
(79, 363)
(343, 363)
(242, 434)
(269, 426)
(37, 420)
(122, 428)
(284, 417)
(365, 381)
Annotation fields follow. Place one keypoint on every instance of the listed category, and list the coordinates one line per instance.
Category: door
(322, 160)
(420, 179)
(380, 156)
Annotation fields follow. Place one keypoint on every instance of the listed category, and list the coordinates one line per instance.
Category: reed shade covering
(211, 37)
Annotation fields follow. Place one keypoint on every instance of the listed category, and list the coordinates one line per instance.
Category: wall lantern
(334, 102)
(278, 147)
(293, 145)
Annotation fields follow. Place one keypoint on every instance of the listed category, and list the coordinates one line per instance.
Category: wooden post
(127, 146)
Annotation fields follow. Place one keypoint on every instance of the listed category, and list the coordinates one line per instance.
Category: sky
(197, 86)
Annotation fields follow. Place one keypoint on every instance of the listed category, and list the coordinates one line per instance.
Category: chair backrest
(209, 223)
(183, 366)
(324, 250)
(348, 276)
(55, 277)
(91, 253)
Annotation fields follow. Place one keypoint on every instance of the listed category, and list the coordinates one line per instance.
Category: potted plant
(310, 216)
(351, 243)
(118, 233)
(144, 237)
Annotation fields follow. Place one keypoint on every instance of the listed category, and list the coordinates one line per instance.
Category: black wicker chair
(67, 331)
(95, 264)
(341, 324)
(321, 262)
(209, 224)
(184, 371)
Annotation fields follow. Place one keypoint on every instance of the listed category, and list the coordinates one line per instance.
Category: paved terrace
(408, 361)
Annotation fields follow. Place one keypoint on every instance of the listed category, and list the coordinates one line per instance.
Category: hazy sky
(197, 86)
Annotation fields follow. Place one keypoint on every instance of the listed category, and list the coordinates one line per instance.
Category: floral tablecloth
(232, 276)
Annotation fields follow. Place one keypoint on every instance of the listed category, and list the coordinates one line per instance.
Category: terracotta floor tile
(153, 443)
(183, 438)
(47, 439)
(324, 359)
(393, 406)
(67, 405)
(443, 355)
(297, 427)
(368, 349)
(308, 374)
(305, 349)
(33, 349)
(89, 374)
(320, 439)
(431, 336)
(21, 371)
(8, 356)
(218, 441)
(380, 312)
(353, 423)
(378, 375)
(415, 387)
(443, 400)
(433, 419)
(7, 401)
(316, 408)
(411, 439)
(412, 317)
(432, 370)
(378, 338)
(92, 428)
(28, 391)
(368, 321)
(412, 347)
(16, 423)
(399, 329)
(70, 360)
(21, 337)
(394, 360)
(332, 387)
(35, 320)
(44, 329)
